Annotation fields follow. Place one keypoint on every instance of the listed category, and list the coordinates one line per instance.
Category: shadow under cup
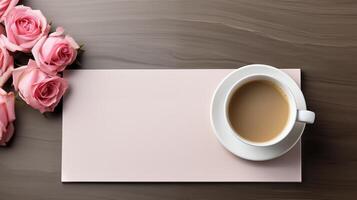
(275, 85)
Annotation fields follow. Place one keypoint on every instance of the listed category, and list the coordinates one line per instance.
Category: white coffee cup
(295, 115)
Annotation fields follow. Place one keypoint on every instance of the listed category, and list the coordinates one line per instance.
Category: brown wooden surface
(318, 36)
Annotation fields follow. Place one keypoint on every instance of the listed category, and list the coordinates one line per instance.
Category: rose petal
(72, 42)
(11, 4)
(10, 46)
(16, 76)
(7, 116)
(59, 32)
(6, 75)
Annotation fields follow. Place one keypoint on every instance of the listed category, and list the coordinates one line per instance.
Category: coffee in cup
(258, 110)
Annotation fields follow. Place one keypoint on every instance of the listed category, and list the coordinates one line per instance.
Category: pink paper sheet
(154, 125)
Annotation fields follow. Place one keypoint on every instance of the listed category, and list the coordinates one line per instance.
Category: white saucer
(225, 134)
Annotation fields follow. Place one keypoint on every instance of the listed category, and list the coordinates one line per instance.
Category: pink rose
(24, 27)
(7, 116)
(6, 64)
(6, 6)
(37, 88)
(55, 52)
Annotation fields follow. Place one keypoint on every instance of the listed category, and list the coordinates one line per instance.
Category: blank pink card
(154, 126)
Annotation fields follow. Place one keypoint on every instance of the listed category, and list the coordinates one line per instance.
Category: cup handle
(306, 116)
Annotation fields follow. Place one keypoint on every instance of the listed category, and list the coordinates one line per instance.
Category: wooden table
(318, 36)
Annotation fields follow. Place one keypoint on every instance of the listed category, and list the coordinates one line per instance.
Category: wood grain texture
(318, 36)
